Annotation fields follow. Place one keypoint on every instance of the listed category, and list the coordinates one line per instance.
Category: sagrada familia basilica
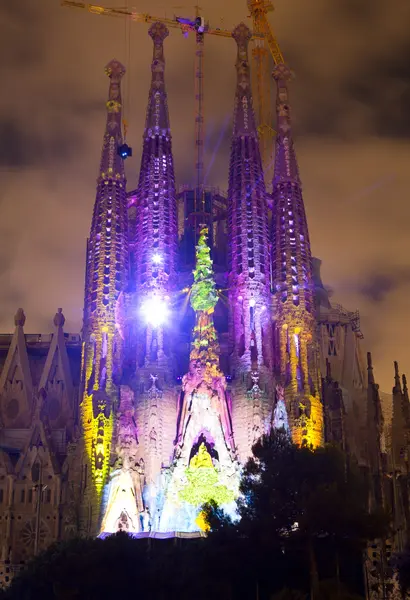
(206, 324)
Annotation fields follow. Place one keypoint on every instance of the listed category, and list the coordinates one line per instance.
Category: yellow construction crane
(186, 25)
(265, 44)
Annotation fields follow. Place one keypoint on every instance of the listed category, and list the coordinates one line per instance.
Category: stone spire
(400, 423)
(107, 252)
(405, 388)
(56, 380)
(106, 279)
(397, 382)
(16, 384)
(248, 225)
(374, 429)
(155, 239)
(296, 360)
(249, 281)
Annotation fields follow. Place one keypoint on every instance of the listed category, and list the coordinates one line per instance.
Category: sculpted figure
(125, 485)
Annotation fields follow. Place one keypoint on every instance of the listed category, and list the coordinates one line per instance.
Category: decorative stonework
(249, 279)
(124, 489)
(154, 243)
(205, 466)
(106, 279)
(296, 360)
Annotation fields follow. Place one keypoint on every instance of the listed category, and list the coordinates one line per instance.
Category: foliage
(305, 509)
(203, 293)
(261, 555)
(402, 564)
(118, 567)
(331, 589)
(287, 594)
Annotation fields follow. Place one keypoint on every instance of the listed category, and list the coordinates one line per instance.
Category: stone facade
(94, 429)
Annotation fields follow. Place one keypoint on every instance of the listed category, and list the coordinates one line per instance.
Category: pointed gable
(38, 442)
(16, 386)
(56, 378)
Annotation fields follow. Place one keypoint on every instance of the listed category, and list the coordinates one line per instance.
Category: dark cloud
(377, 286)
(23, 42)
(20, 147)
(349, 104)
(13, 150)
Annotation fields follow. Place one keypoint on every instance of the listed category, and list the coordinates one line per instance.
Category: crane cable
(127, 55)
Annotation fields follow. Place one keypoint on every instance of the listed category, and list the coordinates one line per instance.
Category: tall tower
(154, 246)
(296, 350)
(249, 288)
(155, 242)
(106, 279)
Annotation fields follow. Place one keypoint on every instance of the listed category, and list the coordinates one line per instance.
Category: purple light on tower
(250, 326)
(248, 222)
(155, 243)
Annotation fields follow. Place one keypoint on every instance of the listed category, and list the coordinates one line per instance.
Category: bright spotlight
(157, 259)
(155, 311)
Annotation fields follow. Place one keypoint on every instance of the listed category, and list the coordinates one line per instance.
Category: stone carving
(127, 477)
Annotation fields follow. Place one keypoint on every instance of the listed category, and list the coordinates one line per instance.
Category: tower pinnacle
(397, 383)
(155, 241)
(111, 163)
(249, 286)
(244, 123)
(106, 279)
(286, 166)
(157, 120)
(296, 361)
(247, 216)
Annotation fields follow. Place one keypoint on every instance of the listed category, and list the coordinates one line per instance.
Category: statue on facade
(125, 502)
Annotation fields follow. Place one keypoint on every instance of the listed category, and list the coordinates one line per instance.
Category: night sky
(351, 114)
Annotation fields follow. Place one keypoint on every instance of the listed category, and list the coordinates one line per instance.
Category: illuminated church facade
(206, 324)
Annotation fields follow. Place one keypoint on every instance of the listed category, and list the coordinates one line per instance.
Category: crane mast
(265, 44)
(200, 217)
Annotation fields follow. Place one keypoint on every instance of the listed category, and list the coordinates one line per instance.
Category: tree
(299, 507)
(118, 567)
(402, 564)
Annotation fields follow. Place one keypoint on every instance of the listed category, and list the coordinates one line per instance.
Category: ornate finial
(59, 318)
(158, 31)
(282, 73)
(19, 318)
(397, 385)
(242, 34)
(370, 377)
(369, 361)
(115, 70)
(404, 379)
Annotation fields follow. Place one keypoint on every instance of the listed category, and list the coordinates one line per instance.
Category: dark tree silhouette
(303, 520)
(402, 563)
(303, 513)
